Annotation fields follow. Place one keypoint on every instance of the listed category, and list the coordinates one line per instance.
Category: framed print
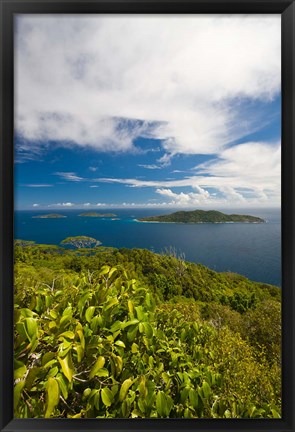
(147, 222)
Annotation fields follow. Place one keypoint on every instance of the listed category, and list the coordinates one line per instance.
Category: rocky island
(202, 216)
(99, 215)
(49, 216)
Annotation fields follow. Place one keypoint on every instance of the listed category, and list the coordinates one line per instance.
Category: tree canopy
(81, 242)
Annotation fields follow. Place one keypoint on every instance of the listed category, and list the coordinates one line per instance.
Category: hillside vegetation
(49, 216)
(128, 333)
(99, 215)
(202, 216)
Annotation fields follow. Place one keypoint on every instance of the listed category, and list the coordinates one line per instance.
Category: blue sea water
(253, 250)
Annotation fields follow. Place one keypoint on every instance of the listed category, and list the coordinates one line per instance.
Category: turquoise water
(253, 250)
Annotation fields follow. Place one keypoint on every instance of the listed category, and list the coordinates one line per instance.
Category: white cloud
(36, 205)
(93, 169)
(94, 186)
(70, 176)
(151, 167)
(248, 173)
(187, 199)
(86, 204)
(33, 185)
(104, 80)
(65, 204)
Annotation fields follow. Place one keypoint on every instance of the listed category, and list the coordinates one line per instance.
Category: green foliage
(94, 338)
(81, 242)
(240, 301)
(263, 328)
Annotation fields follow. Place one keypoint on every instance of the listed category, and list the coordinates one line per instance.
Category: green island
(128, 333)
(202, 216)
(99, 215)
(49, 216)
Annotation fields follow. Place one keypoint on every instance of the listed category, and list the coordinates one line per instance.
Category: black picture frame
(287, 11)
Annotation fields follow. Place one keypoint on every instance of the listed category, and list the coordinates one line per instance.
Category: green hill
(202, 216)
(49, 216)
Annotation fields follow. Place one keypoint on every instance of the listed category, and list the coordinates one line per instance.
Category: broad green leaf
(119, 364)
(125, 408)
(67, 366)
(206, 389)
(187, 413)
(19, 369)
(52, 324)
(27, 313)
(86, 393)
(142, 388)
(110, 303)
(107, 396)
(120, 344)
(65, 348)
(52, 396)
(79, 415)
(161, 404)
(99, 364)
(96, 400)
(139, 312)
(193, 397)
(31, 328)
(104, 270)
(227, 414)
(134, 348)
(17, 392)
(65, 320)
(32, 375)
(80, 353)
(68, 311)
(20, 328)
(47, 357)
(89, 313)
(53, 314)
(116, 326)
(67, 335)
(184, 394)
(102, 373)
(112, 271)
(124, 389)
(131, 333)
(53, 371)
(48, 301)
(275, 413)
(131, 308)
(81, 337)
(129, 323)
(63, 385)
(169, 403)
(148, 299)
(95, 322)
(148, 329)
(49, 364)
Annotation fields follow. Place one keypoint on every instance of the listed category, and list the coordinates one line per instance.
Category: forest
(127, 333)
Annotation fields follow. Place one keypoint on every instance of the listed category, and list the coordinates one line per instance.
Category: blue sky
(147, 112)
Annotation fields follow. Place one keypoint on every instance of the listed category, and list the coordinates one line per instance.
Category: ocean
(253, 250)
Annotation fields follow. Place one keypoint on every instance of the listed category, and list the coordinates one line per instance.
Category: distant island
(99, 215)
(202, 216)
(49, 216)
